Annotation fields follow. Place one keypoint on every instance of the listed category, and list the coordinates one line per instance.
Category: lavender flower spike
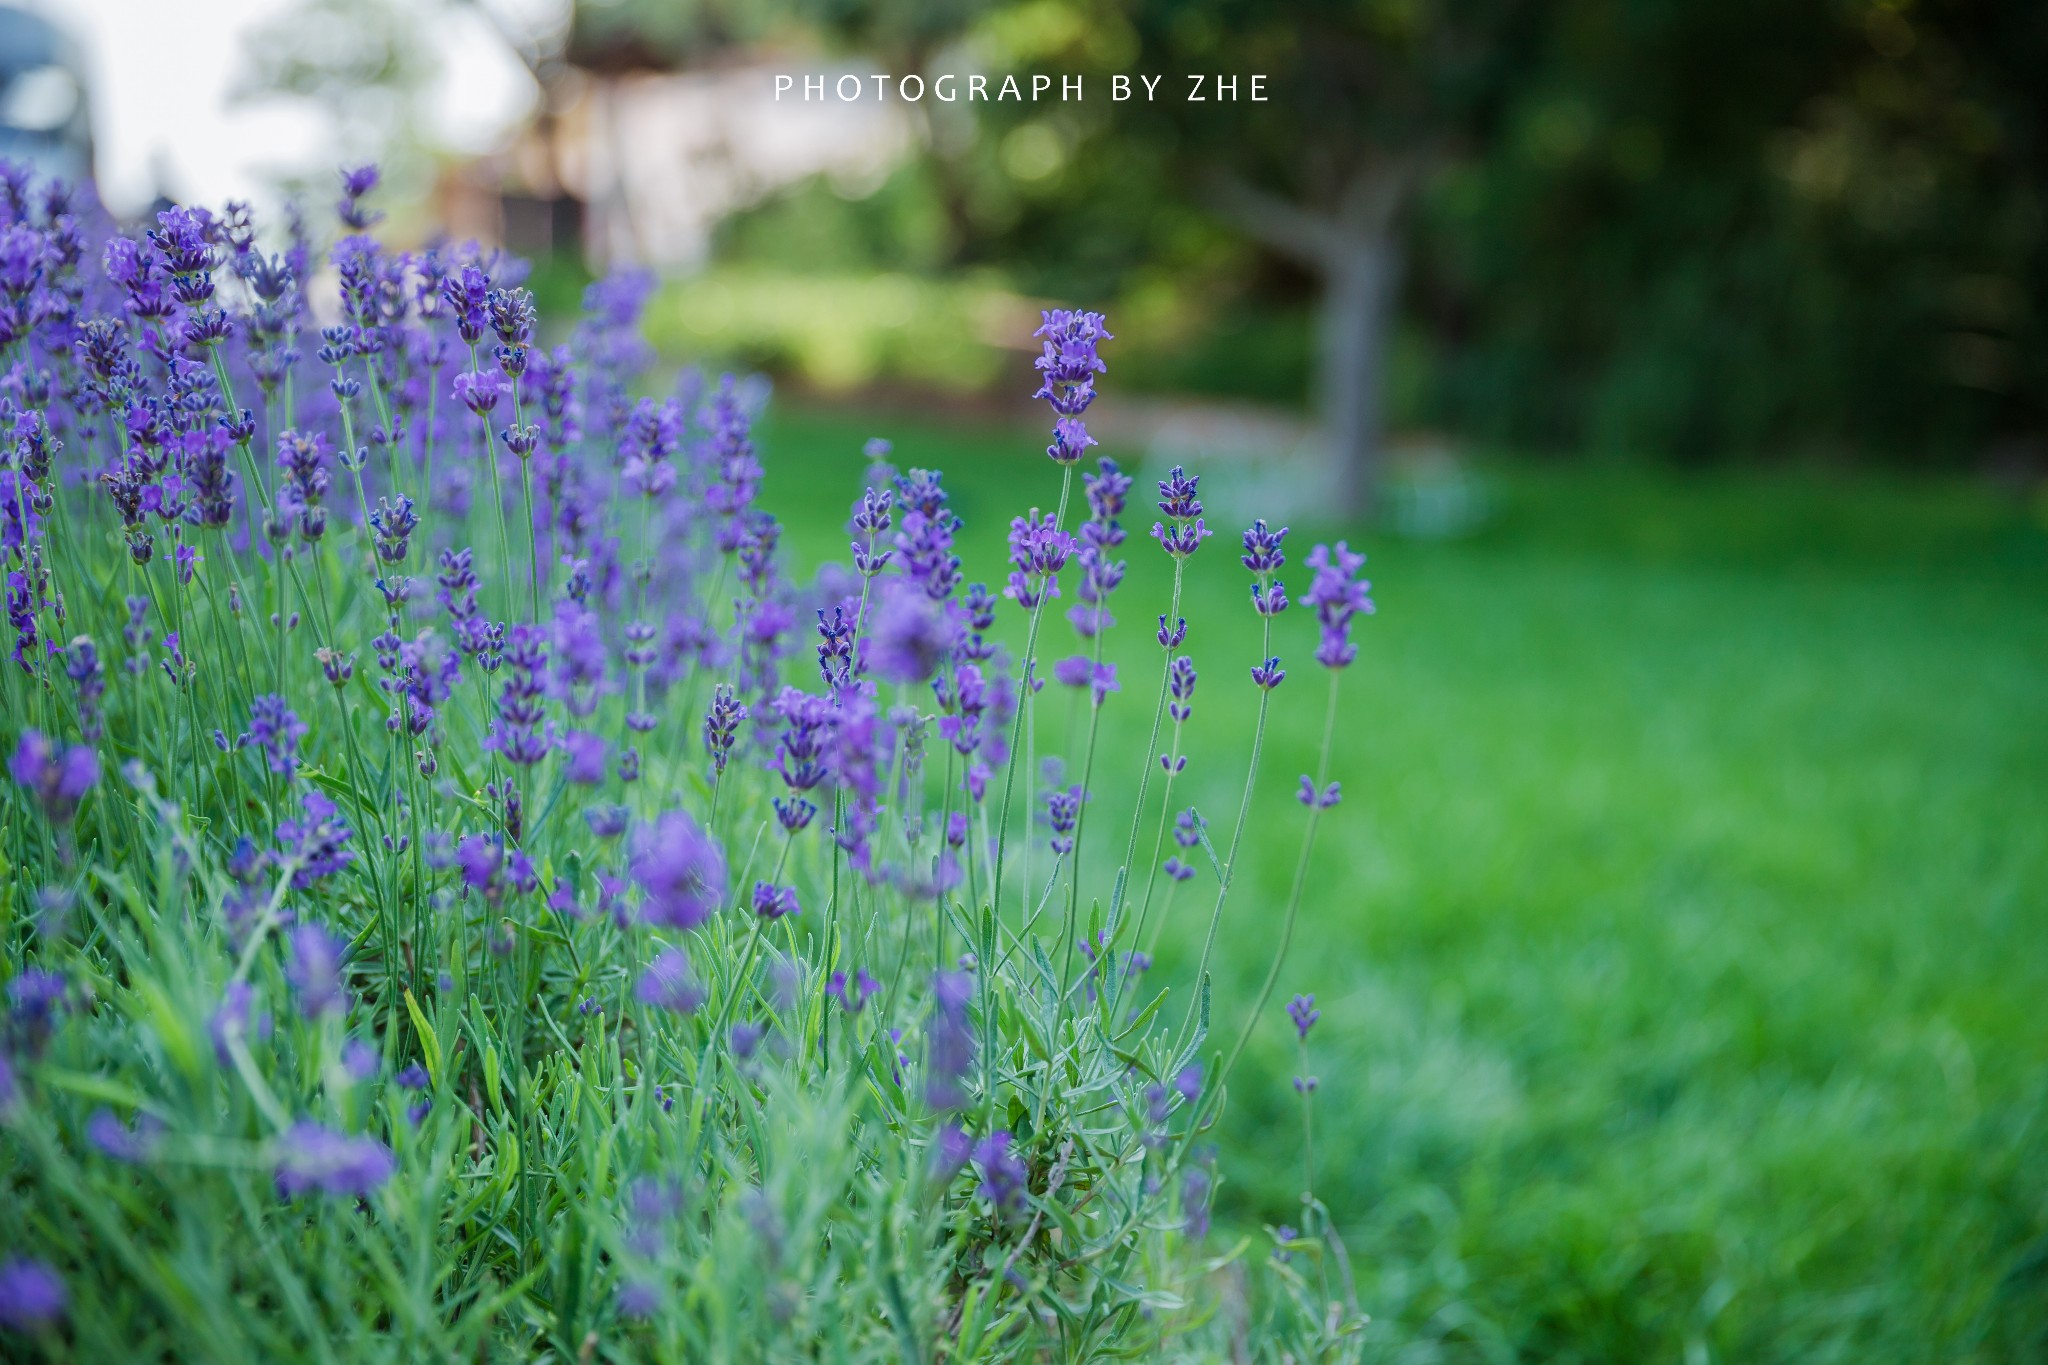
(1005, 1180)
(909, 638)
(275, 730)
(669, 985)
(1302, 1010)
(315, 971)
(681, 869)
(1337, 594)
(31, 1294)
(58, 781)
(1069, 365)
(316, 1159)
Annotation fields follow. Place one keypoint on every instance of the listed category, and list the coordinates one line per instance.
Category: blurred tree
(1752, 225)
(1364, 101)
(1649, 225)
(362, 63)
(1359, 101)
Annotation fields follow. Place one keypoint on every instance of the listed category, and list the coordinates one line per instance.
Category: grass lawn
(1682, 938)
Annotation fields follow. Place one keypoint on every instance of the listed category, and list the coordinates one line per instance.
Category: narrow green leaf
(430, 1044)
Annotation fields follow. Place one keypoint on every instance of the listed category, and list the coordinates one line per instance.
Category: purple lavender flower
(949, 1053)
(680, 869)
(1184, 531)
(1180, 681)
(772, 902)
(1100, 576)
(1158, 1108)
(1196, 1187)
(394, 523)
(1005, 1180)
(1262, 553)
(852, 995)
(721, 726)
(58, 780)
(276, 731)
(925, 537)
(835, 648)
(1187, 832)
(909, 636)
(481, 858)
(512, 317)
(414, 1077)
(180, 237)
(32, 1295)
(1038, 551)
(467, 294)
(119, 1141)
(355, 183)
(317, 842)
(794, 813)
(745, 1040)
(1269, 674)
(607, 822)
(1081, 671)
(312, 1158)
(646, 446)
(236, 1021)
(35, 997)
(1337, 594)
(1302, 1010)
(478, 390)
(729, 454)
(1069, 365)
(1107, 490)
(805, 739)
(315, 971)
(578, 675)
(1323, 800)
(586, 753)
(1063, 813)
(870, 519)
(522, 732)
(951, 1150)
(21, 525)
(667, 984)
(203, 463)
(639, 1299)
(302, 457)
(458, 585)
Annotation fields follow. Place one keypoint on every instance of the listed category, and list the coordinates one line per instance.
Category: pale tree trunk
(1356, 253)
(1359, 290)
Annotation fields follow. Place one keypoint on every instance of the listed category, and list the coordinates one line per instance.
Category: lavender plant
(462, 897)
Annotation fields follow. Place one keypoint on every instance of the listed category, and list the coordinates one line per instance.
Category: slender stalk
(1244, 806)
(1308, 843)
(1024, 702)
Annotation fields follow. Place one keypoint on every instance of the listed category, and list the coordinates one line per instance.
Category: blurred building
(630, 161)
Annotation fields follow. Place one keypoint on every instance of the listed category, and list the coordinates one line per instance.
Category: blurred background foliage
(1656, 227)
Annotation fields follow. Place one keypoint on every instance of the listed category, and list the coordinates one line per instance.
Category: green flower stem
(1308, 843)
(1244, 806)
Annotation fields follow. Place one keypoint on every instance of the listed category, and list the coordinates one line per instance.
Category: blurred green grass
(1680, 937)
